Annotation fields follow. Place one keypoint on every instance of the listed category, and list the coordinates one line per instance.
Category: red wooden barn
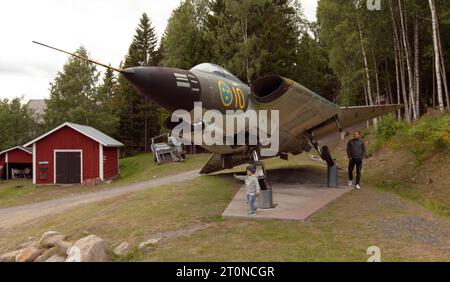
(17, 158)
(73, 154)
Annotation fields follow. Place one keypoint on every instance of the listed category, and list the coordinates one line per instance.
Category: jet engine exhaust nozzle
(268, 88)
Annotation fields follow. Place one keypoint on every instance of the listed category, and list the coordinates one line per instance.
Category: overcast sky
(104, 27)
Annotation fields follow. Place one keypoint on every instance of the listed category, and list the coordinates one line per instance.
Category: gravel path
(19, 214)
(417, 228)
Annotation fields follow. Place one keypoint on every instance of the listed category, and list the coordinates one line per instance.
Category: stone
(123, 249)
(62, 247)
(28, 254)
(148, 244)
(28, 244)
(46, 255)
(9, 257)
(56, 258)
(90, 249)
(73, 254)
(49, 239)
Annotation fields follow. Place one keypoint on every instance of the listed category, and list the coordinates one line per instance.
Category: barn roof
(17, 147)
(88, 131)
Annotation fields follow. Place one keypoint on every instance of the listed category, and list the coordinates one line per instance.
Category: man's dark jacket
(356, 149)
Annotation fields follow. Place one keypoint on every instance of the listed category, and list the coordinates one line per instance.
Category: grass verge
(133, 169)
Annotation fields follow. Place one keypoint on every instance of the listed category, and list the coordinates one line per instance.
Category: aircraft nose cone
(170, 88)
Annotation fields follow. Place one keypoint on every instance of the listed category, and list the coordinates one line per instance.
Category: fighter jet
(306, 120)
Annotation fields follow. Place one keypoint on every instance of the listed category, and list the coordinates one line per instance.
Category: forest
(356, 53)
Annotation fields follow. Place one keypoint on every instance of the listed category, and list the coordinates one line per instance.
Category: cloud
(104, 27)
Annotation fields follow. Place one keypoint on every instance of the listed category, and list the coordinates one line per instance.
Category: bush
(386, 129)
(431, 134)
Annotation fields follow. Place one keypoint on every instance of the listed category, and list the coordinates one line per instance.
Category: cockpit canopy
(215, 69)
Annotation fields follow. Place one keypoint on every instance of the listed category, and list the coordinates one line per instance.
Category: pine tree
(106, 104)
(184, 40)
(138, 115)
(312, 66)
(253, 38)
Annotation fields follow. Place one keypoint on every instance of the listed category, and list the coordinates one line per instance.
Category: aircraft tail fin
(80, 57)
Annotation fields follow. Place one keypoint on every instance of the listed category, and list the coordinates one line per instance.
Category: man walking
(356, 151)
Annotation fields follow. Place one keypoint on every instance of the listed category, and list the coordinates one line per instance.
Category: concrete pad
(292, 202)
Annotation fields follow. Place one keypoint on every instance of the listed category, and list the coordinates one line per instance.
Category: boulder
(89, 249)
(28, 244)
(73, 254)
(56, 258)
(46, 255)
(62, 247)
(9, 257)
(148, 244)
(28, 254)
(49, 239)
(123, 249)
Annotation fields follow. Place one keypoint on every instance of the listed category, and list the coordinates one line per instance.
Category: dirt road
(21, 214)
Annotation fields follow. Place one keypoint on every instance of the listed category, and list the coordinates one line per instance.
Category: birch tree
(437, 55)
(407, 53)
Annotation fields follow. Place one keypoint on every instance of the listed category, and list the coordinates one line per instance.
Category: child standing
(252, 186)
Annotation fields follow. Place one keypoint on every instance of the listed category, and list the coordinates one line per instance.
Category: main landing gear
(324, 153)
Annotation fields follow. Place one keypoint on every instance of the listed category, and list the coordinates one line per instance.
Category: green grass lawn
(133, 169)
(190, 212)
(341, 232)
(141, 167)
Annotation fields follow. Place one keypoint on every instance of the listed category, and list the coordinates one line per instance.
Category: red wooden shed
(73, 154)
(17, 158)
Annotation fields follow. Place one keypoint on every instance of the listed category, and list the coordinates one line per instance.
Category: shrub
(386, 129)
(431, 134)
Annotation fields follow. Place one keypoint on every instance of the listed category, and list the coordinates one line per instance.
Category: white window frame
(7, 166)
(67, 151)
(35, 169)
(118, 161)
(100, 162)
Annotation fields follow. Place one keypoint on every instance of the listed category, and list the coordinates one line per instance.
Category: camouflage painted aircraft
(307, 120)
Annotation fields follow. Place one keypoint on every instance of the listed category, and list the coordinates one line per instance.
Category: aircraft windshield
(215, 69)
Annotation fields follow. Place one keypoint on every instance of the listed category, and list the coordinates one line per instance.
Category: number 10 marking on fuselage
(228, 94)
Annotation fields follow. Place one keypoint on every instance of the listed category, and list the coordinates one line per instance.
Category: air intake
(268, 88)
